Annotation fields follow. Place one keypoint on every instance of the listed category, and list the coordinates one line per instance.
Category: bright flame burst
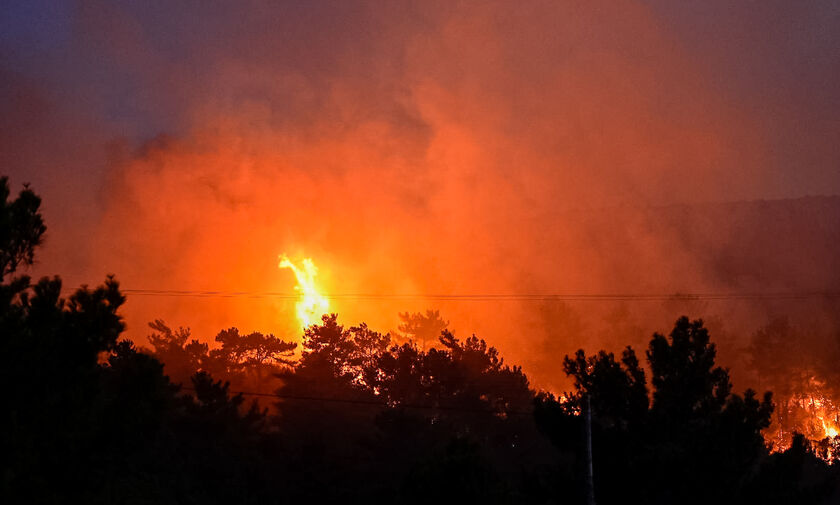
(823, 412)
(825, 433)
(312, 305)
(821, 415)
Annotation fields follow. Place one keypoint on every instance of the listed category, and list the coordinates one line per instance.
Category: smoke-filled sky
(414, 147)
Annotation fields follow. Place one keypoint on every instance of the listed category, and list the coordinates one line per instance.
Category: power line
(500, 297)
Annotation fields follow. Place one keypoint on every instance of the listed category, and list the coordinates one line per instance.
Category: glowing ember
(312, 305)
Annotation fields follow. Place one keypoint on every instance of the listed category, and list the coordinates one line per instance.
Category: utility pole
(590, 479)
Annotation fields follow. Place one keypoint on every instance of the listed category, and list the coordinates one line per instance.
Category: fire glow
(813, 414)
(821, 410)
(311, 305)
(824, 425)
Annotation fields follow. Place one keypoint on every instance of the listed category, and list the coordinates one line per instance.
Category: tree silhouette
(21, 228)
(617, 391)
(421, 328)
(685, 379)
(693, 431)
(249, 362)
(182, 356)
(90, 418)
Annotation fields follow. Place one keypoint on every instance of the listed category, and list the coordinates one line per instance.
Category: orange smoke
(452, 148)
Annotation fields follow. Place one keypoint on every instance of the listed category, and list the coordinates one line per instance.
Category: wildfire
(312, 305)
(830, 431)
(829, 423)
(824, 414)
(827, 445)
(813, 414)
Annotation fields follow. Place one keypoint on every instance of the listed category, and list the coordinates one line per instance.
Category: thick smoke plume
(425, 148)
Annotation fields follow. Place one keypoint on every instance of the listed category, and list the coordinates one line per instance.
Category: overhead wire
(489, 297)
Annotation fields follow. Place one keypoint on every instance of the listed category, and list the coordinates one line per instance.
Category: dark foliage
(421, 328)
(21, 228)
(90, 418)
(249, 362)
(695, 442)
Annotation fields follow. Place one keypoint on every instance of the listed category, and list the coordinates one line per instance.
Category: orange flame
(824, 415)
(312, 305)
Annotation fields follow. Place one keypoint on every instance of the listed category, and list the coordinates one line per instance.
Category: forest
(348, 414)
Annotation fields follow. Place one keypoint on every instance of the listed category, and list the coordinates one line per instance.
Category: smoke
(454, 147)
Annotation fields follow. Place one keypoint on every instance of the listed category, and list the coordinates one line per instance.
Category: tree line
(358, 416)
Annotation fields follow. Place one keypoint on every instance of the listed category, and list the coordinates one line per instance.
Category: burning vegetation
(798, 364)
(813, 415)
